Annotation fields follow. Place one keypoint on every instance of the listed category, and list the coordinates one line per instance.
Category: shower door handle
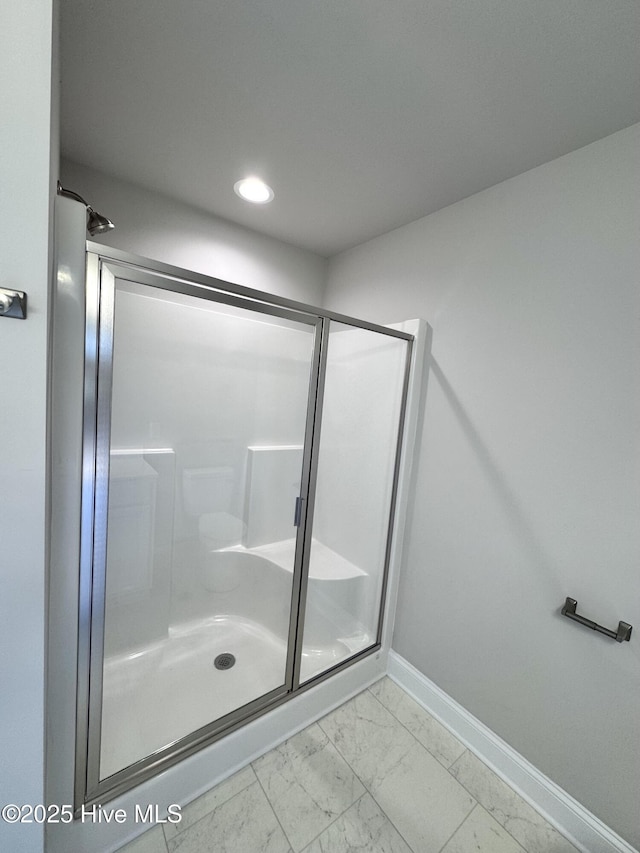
(297, 515)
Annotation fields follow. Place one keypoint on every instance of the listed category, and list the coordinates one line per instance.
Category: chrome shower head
(96, 223)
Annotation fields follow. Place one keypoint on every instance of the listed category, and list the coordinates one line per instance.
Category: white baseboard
(568, 816)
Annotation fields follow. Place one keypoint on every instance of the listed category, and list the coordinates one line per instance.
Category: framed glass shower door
(200, 410)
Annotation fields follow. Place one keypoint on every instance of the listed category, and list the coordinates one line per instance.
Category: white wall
(527, 486)
(26, 146)
(157, 227)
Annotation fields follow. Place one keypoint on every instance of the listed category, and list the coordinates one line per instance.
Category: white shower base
(161, 693)
(168, 689)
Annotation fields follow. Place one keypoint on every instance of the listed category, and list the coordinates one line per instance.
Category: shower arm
(71, 194)
(96, 223)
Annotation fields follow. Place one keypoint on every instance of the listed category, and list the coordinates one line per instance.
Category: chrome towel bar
(623, 632)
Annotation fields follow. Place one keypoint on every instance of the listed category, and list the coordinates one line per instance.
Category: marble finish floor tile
(424, 802)
(431, 734)
(243, 824)
(363, 828)
(308, 784)
(480, 833)
(197, 809)
(377, 775)
(368, 737)
(520, 820)
(152, 841)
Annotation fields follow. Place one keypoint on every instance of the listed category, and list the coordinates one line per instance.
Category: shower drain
(224, 661)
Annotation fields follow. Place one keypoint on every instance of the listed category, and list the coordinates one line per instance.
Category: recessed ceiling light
(254, 190)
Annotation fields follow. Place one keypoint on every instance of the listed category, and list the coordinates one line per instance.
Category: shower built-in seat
(335, 585)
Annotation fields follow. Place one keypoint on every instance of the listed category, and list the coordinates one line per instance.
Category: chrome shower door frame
(104, 266)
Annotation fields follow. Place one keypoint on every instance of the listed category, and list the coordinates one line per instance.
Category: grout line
(555, 807)
(210, 812)
(392, 823)
(367, 790)
(399, 721)
(476, 802)
(363, 794)
(125, 847)
(362, 782)
(459, 758)
(487, 810)
(337, 817)
(166, 841)
(272, 809)
(431, 717)
(464, 820)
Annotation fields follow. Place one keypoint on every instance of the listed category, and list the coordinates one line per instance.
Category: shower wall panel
(168, 395)
(139, 561)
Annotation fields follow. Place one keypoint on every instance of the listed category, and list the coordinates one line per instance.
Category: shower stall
(240, 465)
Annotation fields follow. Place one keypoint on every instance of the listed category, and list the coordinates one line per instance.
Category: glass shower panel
(356, 463)
(207, 418)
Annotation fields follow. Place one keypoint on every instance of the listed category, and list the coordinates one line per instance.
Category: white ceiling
(363, 115)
